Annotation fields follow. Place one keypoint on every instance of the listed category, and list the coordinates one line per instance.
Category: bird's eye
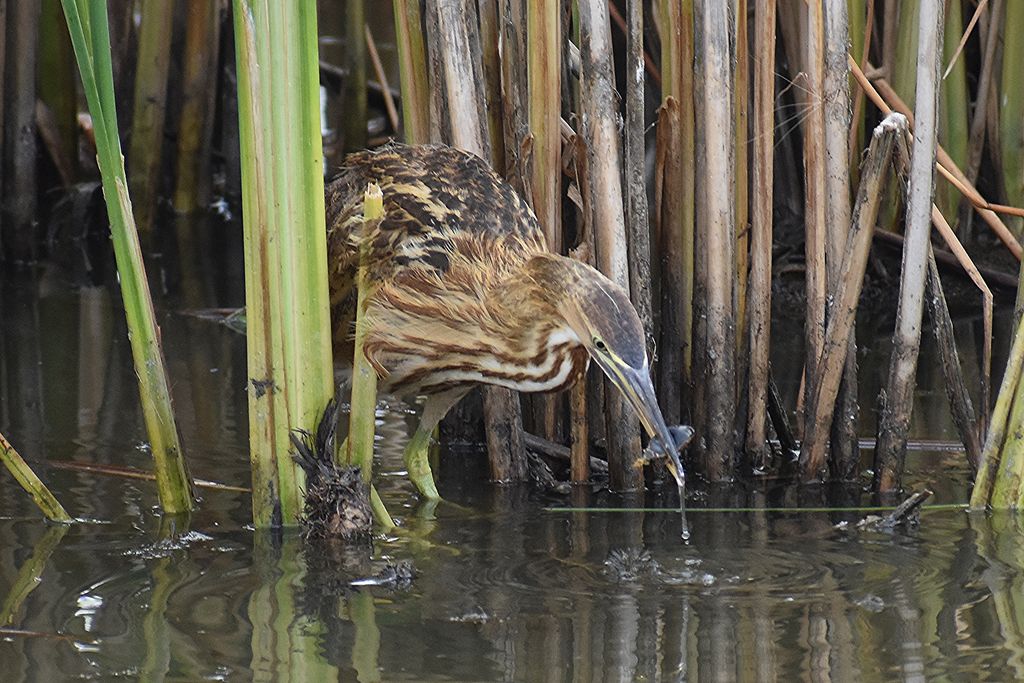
(599, 344)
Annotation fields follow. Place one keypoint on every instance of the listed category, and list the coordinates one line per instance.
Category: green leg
(417, 453)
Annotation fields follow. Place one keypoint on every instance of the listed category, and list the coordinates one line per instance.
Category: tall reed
(87, 23)
(894, 420)
(290, 367)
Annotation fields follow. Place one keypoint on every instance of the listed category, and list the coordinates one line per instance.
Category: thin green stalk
(1011, 111)
(354, 111)
(289, 351)
(364, 377)
(31, 483)
(87, 23)
(412, 59)
(145, 151)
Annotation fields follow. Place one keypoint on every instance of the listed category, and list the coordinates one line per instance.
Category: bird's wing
(434, 198)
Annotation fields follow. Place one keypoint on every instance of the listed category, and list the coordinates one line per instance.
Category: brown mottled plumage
(467, 292)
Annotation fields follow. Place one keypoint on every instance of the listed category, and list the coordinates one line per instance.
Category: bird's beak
(635, 385)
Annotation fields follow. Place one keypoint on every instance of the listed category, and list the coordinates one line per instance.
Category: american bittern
(467, 293)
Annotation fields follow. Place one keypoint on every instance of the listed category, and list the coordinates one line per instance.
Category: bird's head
(607, 325)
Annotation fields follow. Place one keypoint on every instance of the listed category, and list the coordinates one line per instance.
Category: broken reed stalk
(599, 131)
(668, 169)
(87, 23)
(638, 235)
(849, 278)
(759, 296)
(715, 353)
(354, 93)
(490, 43)
(149, 107)
(544, 61)
(363, 412)
(195, 130)
(814, 196)
(412, 60)
(1011, 109)
(845, 453)
(894, 420)
(956, 388)
(463, 94)
(32, 484)
(886, 99)
(290, 369)
(998, 483)
(677, 51)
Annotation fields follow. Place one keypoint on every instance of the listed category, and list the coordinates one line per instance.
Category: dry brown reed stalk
(714, 352)
(856, 129)
(845, 453)
(944, 164)
(18, 192)
(382, 78)
(515, 102)
(638, 234)
(759, 298)
(965, 261)
(956, 388)
(849, 278)
(677, 52)
(814, 194)
(894, 420)
(461, 75)
(490, 42)
(669, 207)
(741, 122)
(599, 131)
(544, 86)
(195, 129)
(149, 107)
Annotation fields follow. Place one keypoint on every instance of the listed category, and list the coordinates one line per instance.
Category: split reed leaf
(90, 36)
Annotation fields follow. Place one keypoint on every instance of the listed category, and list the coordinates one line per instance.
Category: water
(509, 584)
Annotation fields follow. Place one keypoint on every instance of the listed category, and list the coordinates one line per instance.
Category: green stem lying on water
(87, 23)
(31, 483)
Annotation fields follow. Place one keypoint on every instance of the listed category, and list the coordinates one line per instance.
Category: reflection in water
(510, 584)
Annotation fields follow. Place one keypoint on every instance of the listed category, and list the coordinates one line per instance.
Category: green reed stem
(90, 36)
(49, 505)
(364, 377)
(412, 59)
(1011, 111)
(289, 352)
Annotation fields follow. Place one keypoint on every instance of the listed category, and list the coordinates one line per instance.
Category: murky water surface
(509, 584)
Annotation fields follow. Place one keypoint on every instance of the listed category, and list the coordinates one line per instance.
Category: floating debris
(337, 499)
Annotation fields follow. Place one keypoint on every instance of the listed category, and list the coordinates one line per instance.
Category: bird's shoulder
(430, 191)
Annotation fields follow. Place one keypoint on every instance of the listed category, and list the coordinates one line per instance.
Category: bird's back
(442, 208)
